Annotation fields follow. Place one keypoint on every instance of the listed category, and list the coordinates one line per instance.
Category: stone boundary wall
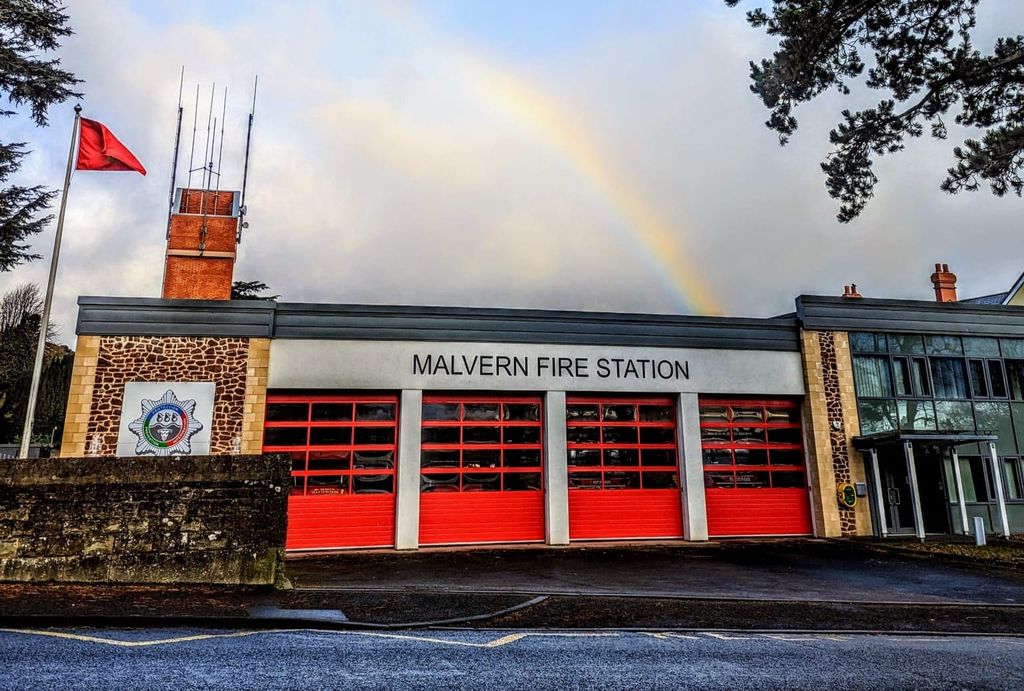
(192, 519)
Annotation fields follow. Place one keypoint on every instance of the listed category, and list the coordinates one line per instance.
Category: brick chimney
(944, 283)
(201, 244)
(850, 291)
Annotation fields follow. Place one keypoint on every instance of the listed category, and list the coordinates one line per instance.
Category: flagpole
(44, 322)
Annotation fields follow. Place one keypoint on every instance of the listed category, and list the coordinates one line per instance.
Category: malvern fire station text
(573, 367)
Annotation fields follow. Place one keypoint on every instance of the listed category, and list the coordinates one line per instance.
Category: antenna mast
(245, 170)
(174, 163)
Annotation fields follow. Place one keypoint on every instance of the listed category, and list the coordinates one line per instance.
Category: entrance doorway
(898, 498)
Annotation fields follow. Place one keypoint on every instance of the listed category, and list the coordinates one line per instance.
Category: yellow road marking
(131, 644)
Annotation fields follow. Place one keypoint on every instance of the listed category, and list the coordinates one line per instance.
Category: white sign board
(315, 364)
(166, 419)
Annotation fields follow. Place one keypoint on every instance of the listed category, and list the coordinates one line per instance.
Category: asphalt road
(186, 659)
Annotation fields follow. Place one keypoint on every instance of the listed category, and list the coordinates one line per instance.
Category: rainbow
(516, 96)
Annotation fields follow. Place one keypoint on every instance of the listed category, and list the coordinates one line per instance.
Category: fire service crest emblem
(166, 426)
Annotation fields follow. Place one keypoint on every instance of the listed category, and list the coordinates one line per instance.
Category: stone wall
(197, 519)
(832, 420)
(103, 365)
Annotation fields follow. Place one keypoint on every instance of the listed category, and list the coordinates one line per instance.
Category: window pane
(439, 483)
(527, 458)
(586, 412)
(911, 345)
(620, 435)
(373, 484)
(714, 413)
(621, 457)
(522, 435)
(329, 460)
(787, 457)
(784, 435)
(751, 456)
(490, 458)
(1011, 466)
(439, 459)
(973, 472)
(657, 413)
(954, 416)
(901, 376)
(916, 415)
(719, 480)
(867, 342)
(481, 435)
(787, 479)
(877, 416)
(326, 484)
(440, 435)
(284, 436)
(949, 378)
(287, 412)
(714, 434)
(522, 412)
(332, 412)
(995, 417)
(1017, 410)
(620, 480)
(919, 371)
(441, 411)
(995, 376)
(664, 457)
(660, 480)
(298, 461)
(871, 376)
(480, 411)
(981, 347)
(585, 480)
(477, 482)
(748, 435)
(330, 436)
(657, 435)
(943, 345)
(375, 411)
(583, 435)
(585, 457)
(751, 479)
(717, 457)
(619, 413)
(376, 460)
(521, 482)
(747, 414)
(1012, 347)
(976, 368)
(1015, 374)
(375, 435)
(779, 414)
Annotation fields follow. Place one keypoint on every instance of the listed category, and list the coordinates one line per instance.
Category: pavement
(784, 585)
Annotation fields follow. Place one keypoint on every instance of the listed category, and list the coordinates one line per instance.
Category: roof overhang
(939, 438)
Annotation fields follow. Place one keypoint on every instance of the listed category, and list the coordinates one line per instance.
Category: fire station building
(417, 426)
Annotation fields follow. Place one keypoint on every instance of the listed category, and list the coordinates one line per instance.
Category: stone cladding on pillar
(832, 421)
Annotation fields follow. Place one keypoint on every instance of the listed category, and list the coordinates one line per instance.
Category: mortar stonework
(255, 403)
(123, 359)
(80, 394)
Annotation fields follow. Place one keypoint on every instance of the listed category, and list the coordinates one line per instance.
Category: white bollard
(979, 531)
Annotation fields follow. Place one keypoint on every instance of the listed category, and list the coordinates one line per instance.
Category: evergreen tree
(28, 28)
(251, 290)
(920, 53)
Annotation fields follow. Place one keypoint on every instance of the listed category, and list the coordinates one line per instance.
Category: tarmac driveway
(810, 570)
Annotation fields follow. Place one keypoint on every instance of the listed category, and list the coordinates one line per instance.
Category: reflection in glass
(943, 345)
(585, 457)
(439, 459)
(481, 435)
(660, 480)
(375, 435)
(916, 415)
(287, 412)
(954, 416)
(717, 457)
(949, 378)
(375, 411)
(716, 479)
(620, 435)
(583, 435)
(656, 413)
(490, 458)
(871, 376)
(981, 347)
(522, 435)
(751, 456)
(329, 460)
(479, 411)
(621, 457)
(908, 344)
(619, 413)
(586, 412)
(441, 411)
(995, 417)
(479, 482)
(332, 412)
(876, 416)
(373, 484)
(522, 412)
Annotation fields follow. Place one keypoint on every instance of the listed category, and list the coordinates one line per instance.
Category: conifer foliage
(32, 81)
(921, 55)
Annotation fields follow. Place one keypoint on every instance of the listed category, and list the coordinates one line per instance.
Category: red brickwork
(198, 278)
(139, 358)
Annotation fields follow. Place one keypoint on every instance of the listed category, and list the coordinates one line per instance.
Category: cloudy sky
(578, 154)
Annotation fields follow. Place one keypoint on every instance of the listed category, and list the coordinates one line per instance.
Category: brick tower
(202, 238)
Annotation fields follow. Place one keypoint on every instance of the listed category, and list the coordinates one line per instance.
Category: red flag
(99, 149)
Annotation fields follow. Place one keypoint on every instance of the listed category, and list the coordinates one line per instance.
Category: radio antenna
(192, 153)
(245, 169)
(174, 162)
(220, 152)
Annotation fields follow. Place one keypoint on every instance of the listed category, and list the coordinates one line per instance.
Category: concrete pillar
(556, 476)
(915, 492)
(407, 485)
(959, 480)
(997, 477)
(691, 468)
(880, 504)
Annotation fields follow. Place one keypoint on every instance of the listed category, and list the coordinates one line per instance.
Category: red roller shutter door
(754, 471)
(343, 451)
(481, 478)
(623, 468)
